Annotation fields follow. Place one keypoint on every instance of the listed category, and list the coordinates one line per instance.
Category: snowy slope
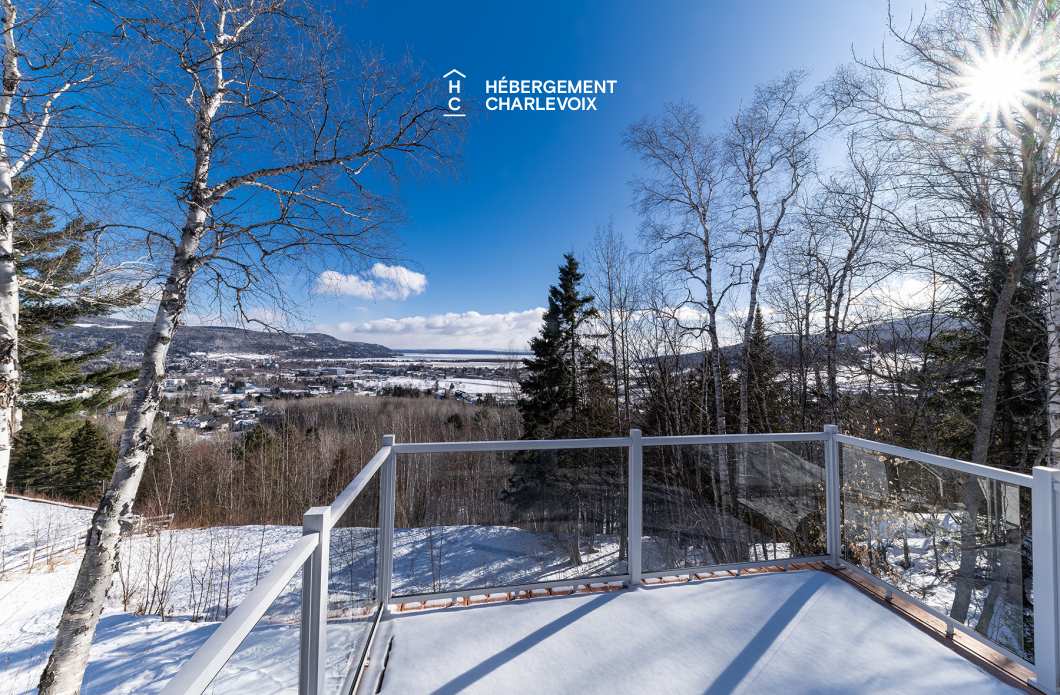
(31, 523)
(196, 577)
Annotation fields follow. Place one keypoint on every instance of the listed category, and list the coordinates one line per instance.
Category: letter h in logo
(454, 93)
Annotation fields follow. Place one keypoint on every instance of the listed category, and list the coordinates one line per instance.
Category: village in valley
(208, 394)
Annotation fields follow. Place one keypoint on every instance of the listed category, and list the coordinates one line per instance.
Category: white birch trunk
(69, 656)
(9, 366)
(73, 639)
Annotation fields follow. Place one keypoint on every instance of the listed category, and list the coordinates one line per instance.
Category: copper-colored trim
(996, 663)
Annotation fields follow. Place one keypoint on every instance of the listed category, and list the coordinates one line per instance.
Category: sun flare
(1001, 83)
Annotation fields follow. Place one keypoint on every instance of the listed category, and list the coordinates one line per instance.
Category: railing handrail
(208, 660)
(510, 445)
(758, 438)
(487, 446)
(345, 498)
(977, 469)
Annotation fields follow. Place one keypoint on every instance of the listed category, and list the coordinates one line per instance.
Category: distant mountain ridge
(910, 332)
(123, 337)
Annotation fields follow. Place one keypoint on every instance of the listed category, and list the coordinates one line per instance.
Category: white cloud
(383, 282)
(465, 330)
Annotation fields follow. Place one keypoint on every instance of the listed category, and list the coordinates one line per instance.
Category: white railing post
(635, 511)
(1045, 532)
(314, 646)
(387, 502)
(831, 497)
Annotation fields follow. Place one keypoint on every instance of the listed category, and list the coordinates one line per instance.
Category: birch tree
(614, 283)
(843, 228)
(679, 199)
(1052, 223)
(794, 295)
(42, 66)
(265, 143)
(769, 151)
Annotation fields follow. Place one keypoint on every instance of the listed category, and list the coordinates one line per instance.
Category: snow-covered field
(439, 359)
(468, 385)
(30, 524)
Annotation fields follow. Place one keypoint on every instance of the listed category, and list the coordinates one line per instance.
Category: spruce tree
(89, 462)
(561, 387)
(1020, 429)
(57, 289)
(565, 394)
(765, 394)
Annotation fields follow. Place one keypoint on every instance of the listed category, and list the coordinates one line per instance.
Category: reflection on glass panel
(266, 663)
(958, 542)
(713, 504)
(481, 520)
(352, 601)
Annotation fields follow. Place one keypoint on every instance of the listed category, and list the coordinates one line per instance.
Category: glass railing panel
(266, 663)
(959, 543)
(719, 504)
(486, 520)
(352, 598)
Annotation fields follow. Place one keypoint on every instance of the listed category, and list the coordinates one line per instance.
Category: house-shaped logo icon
(454, 92)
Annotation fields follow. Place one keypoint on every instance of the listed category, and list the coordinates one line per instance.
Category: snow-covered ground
(451, 558)
(439, 359)
(174, 587)
(32, 524)
(792, 633)
(467, 385)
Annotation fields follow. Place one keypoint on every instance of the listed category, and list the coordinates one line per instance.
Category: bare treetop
(289, 146)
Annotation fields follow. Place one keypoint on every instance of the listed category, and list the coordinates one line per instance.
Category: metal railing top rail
(976, 469)
(197, 673)
(763, 438)
(350, 492)
(510, 445)
(600, 442)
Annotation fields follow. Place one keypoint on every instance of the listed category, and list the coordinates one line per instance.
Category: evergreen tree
(564, 377)
(1020, 429)
(765, 394)
(566, 395)
(57, 289)
(89, 462)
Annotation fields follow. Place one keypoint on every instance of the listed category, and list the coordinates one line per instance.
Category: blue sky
(488, 238)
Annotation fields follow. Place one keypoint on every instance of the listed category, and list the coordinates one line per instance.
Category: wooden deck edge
(481, 597)
(997, 664)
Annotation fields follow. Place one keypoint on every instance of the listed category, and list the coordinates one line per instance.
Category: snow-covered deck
(792, 632)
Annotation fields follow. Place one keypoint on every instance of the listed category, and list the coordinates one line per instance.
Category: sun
(1000, 83)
